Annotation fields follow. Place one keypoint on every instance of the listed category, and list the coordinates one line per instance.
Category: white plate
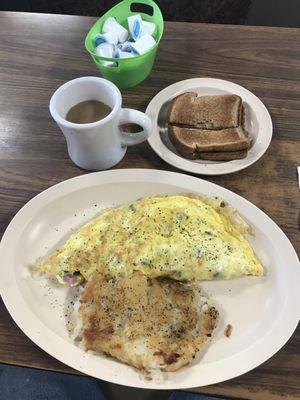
(263, 311)
(258, 124)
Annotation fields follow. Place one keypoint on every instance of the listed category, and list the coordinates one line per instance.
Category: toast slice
(217, 155)
(190, 140)
(207, 112)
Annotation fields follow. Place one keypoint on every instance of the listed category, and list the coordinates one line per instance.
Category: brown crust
(243, 120)
(240, 113)
(217, 156)
(169, 358)
(222, 156)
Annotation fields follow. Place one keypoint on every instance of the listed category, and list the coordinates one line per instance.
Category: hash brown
(151, 324)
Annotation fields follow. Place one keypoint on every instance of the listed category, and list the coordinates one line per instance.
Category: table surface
(39, 52)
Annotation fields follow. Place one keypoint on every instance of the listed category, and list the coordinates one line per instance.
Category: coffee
(87, 112)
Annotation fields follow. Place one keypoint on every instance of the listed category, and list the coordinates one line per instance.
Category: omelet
(152, 324)
(181, 237)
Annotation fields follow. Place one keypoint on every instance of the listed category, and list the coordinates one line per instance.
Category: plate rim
(45, 335)
(184, 164)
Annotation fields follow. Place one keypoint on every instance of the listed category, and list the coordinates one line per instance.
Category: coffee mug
(102, 144)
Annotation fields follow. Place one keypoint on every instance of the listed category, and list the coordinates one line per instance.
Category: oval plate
(258, 124)
(263, 311)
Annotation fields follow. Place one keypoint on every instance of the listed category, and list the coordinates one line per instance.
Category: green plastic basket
(128, 72)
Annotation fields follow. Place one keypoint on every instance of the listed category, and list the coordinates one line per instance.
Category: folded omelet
(179, 237)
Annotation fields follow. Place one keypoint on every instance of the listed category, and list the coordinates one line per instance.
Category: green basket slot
(129, 72)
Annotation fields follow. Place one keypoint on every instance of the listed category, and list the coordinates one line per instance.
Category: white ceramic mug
(101, 144)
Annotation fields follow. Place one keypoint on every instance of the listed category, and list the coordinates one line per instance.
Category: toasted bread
(206, 112)
(222, 155)
(190, 140)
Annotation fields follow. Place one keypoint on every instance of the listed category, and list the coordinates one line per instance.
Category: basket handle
(151, 4)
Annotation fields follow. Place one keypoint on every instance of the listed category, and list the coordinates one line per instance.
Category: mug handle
(128, 115)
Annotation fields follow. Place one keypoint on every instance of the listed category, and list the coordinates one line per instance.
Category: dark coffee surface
(87, 112)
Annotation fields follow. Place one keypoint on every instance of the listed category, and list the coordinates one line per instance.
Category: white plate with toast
(257, 123)
(263, 311)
